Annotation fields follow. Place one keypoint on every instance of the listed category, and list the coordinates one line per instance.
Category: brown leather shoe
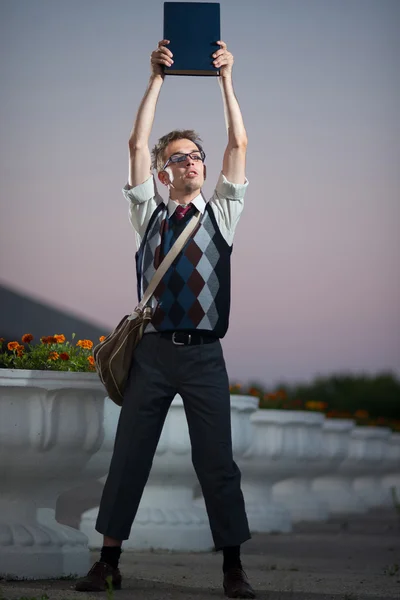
(236, 584)
(96, 579)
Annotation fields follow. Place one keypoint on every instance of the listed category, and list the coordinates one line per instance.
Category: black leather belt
(182, 338)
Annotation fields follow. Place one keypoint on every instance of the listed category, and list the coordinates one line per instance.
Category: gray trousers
(160, 370)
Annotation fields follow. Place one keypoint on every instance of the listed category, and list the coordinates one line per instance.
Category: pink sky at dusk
(316, 273)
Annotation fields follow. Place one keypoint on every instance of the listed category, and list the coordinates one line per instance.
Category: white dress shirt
(226, 202)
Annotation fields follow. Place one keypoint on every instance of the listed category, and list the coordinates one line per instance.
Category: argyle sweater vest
(194, 294)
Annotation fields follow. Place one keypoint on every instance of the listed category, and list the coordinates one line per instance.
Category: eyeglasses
(182, 156)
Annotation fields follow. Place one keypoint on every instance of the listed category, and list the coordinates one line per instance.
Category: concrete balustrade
(57, 432)
(330, 443)
(284, 444)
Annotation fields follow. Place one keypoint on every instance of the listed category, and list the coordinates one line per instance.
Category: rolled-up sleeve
(227, 203)
(143, 200)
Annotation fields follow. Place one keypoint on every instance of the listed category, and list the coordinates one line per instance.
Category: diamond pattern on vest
(186, 297)
(194, 253)
(196, 282)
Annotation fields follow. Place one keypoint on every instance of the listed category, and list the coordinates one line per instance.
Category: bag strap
(169, 259)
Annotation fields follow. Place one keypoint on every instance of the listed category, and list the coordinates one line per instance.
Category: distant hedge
(369, 399)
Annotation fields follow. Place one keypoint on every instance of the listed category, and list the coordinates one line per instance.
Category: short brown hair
(178, 134)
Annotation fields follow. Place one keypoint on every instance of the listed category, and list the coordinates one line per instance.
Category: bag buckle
(180, 343)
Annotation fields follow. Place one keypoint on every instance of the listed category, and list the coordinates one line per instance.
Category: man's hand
(223, 60)
(160, 58)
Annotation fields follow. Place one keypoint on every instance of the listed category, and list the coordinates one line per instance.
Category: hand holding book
(161, 58)
(223, 60)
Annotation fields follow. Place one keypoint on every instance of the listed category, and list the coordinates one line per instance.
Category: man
(180, 351)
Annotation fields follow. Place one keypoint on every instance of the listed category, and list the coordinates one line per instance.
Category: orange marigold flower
(60, 338)
(253, 391)
(27, 338)
(20, 350)
(91, 360)
(64, 356)
(361, 414)
(315, 405)
(87, 344)
(53, 356)
(102, 338)
(12, 345)
(45, 339)
(235, 388)
(52, 339)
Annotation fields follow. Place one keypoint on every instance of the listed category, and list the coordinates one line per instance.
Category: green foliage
(110, 589)
(349, 393)
(368, 399)
(51, 353)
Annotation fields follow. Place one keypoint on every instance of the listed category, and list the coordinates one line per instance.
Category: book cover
(193, 29)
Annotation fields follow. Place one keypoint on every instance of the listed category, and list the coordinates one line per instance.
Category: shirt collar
(198, 203)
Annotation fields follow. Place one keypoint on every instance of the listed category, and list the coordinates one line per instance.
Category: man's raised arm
(234, 163)
(139, 151)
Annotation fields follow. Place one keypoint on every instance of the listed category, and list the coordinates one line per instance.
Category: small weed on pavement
(391, 570)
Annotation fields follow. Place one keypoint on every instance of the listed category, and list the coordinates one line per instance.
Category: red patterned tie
(181, 211)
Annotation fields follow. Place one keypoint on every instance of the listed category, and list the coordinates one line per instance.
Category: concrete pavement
(347, 558)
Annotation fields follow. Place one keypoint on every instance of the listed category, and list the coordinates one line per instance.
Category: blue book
(193, 29)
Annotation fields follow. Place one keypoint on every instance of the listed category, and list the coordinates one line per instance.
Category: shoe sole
(88, 588)
(249, 596)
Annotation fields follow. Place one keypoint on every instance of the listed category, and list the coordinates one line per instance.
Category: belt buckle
(181, 343)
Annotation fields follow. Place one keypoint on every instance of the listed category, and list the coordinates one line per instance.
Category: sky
(316, 260)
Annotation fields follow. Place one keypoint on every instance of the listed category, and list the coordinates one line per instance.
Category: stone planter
(242, 407)
(284, 444)
(336, 440)
(390, 481)
(50, 426)
(368, 485)
(85, 493)
(297, 494)
(363, 461)
(93, 472)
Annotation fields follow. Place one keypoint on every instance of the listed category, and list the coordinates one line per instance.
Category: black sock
(110, 555)
(231, 558)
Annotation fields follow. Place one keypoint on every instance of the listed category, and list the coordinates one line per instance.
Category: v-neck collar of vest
(198, 202)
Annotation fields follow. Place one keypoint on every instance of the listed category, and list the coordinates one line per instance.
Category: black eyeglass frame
(184, 156)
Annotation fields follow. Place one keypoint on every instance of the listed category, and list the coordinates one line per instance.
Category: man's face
(186, 176)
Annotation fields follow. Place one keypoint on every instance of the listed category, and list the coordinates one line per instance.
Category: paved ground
(353, 558)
